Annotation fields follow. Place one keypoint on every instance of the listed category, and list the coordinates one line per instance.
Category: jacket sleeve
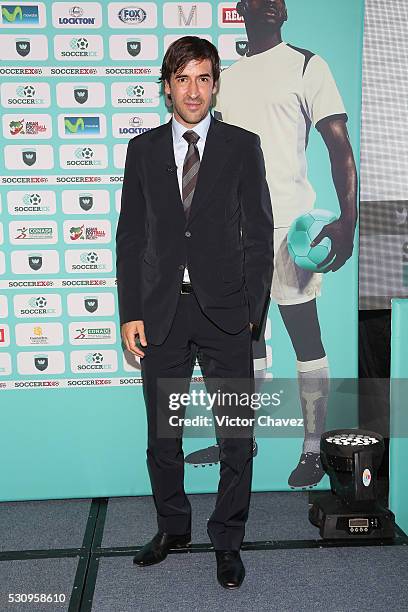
(131, 238)
(257, 230)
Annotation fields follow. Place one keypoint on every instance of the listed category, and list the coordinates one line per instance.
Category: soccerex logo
(132, 15)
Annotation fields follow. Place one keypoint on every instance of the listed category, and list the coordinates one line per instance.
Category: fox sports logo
(132, 15)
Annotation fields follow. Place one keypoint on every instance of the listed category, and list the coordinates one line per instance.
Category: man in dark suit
(194, 269)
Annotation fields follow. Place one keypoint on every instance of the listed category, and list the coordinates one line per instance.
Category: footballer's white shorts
(291, 284)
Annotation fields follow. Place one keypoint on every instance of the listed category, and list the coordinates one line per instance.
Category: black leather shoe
(157, 549)
(230, 569)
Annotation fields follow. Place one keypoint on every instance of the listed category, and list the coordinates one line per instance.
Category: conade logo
(132, 15)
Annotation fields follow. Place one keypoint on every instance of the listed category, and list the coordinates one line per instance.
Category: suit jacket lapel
(216, 152)
(164, 165)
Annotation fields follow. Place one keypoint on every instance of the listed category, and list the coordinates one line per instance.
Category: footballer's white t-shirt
(279, 94)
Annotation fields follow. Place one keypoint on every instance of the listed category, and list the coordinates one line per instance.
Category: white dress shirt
(180, 148)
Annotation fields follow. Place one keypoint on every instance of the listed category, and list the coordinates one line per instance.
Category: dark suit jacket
(227, 241)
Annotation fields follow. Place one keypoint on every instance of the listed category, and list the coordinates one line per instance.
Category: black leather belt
(186, 288)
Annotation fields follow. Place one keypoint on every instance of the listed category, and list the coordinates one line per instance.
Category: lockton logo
(68, 15)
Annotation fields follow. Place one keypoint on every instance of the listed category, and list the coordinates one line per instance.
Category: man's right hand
(129, 331)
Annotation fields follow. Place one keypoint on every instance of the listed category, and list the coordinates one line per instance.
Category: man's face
(257, 13)
(191, 91)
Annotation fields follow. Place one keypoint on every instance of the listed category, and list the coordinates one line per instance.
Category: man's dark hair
(186, 49)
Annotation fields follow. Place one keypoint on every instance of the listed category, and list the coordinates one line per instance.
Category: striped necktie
(190, 170)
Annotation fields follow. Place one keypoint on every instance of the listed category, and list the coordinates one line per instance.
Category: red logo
(230, 15)
(2, 335)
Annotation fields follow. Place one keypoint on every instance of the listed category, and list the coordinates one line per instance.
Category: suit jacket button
(187, 234)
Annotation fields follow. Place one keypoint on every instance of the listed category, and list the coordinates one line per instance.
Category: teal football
(303, 230)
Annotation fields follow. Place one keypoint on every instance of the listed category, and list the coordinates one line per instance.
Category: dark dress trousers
(227, 244)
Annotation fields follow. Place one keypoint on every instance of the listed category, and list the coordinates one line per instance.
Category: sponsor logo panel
(68, 15)
(99, 361)
(31, 202)
(78, 48)
(37, 305)
(4, 335)
(22, 15)
(90, 261)
(132, 15)
(95, 304)
(38, 362)
(228, 16)
(27, 48)
(36, 157)
(5, 364)
(3, 307)
(41, 232)
(79, 231)
(84, 201)
(232, 46)
(25, 95)
(39, 334)
(187, 14)
(127, 125)
(127, 47)
(81, 126)
(145, 94)
(86, 332)
(86, 156)
(80, 94)
(33, 262)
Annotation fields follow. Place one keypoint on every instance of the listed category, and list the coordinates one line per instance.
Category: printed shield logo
(29, 157)
(23, 47)
(133, 47)
(81, 95)
(41, 363)
(86, 202)
(241, 47)
(91, 304)
(35, 262)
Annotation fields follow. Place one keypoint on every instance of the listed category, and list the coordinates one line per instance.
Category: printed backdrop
(77, 81)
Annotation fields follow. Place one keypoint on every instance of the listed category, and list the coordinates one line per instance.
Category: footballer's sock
(313, 380)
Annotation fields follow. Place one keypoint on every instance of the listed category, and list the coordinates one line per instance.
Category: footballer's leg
(295, 290)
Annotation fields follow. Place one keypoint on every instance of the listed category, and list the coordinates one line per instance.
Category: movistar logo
(12, 16)
(11, 13)
(74, 127)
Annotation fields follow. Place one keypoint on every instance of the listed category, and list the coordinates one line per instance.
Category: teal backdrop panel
(77, 81)
(398, 413)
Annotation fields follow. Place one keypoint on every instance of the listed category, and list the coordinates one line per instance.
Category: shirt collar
(201, 128)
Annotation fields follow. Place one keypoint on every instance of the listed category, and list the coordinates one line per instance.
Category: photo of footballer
(288, 91)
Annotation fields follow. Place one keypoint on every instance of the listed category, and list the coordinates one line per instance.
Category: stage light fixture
(351, 458)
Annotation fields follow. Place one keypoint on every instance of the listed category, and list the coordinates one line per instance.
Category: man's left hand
(341, 234)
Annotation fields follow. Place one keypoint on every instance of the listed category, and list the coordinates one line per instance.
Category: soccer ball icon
(138, 91)
(29, 91)
(87, 153)
(92, 257)
(97, 357)
(41, 302)
(303, 230)
(82, 43)
(35, 198)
